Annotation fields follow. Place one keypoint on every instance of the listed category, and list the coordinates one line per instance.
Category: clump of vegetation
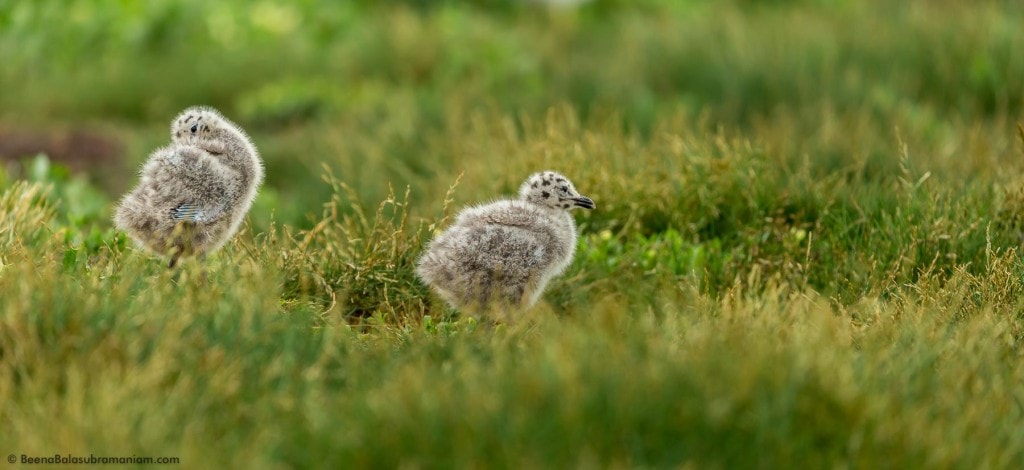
(358, 264)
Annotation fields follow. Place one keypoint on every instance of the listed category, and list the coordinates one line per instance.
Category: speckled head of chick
(209, 130)
(194, 124)
(552, 190)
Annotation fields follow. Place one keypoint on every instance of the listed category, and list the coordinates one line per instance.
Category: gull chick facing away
(193, 194)
(501, 255)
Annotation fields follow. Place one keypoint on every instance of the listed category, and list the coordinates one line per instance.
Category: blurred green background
(380, 91)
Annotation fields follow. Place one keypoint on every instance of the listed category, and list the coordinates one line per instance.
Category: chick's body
(503, 254)
(193, 194)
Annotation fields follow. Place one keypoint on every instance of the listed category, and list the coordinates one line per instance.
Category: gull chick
(502, 255)
(193, 194)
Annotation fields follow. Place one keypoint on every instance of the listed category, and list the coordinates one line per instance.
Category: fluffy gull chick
(193, 194)
(501, 255)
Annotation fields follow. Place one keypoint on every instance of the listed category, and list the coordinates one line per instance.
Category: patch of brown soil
(79, 150)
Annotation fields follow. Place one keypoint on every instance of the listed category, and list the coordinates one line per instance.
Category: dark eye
(194, 128)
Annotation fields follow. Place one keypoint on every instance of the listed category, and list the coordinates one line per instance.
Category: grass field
(804, 253)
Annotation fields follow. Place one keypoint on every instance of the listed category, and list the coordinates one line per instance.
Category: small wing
(198, 190)
(186, 211)
(192, 212)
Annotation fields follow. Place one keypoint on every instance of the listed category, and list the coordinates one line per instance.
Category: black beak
(584, 202)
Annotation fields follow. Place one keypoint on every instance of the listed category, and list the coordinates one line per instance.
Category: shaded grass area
(804, 252)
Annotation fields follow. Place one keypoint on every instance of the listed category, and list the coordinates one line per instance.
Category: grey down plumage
(194, 193)
(502, 255)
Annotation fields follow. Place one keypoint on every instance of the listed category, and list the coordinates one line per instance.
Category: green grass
(805, 252)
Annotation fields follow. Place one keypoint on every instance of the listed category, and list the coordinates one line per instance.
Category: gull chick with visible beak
(502, 255)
